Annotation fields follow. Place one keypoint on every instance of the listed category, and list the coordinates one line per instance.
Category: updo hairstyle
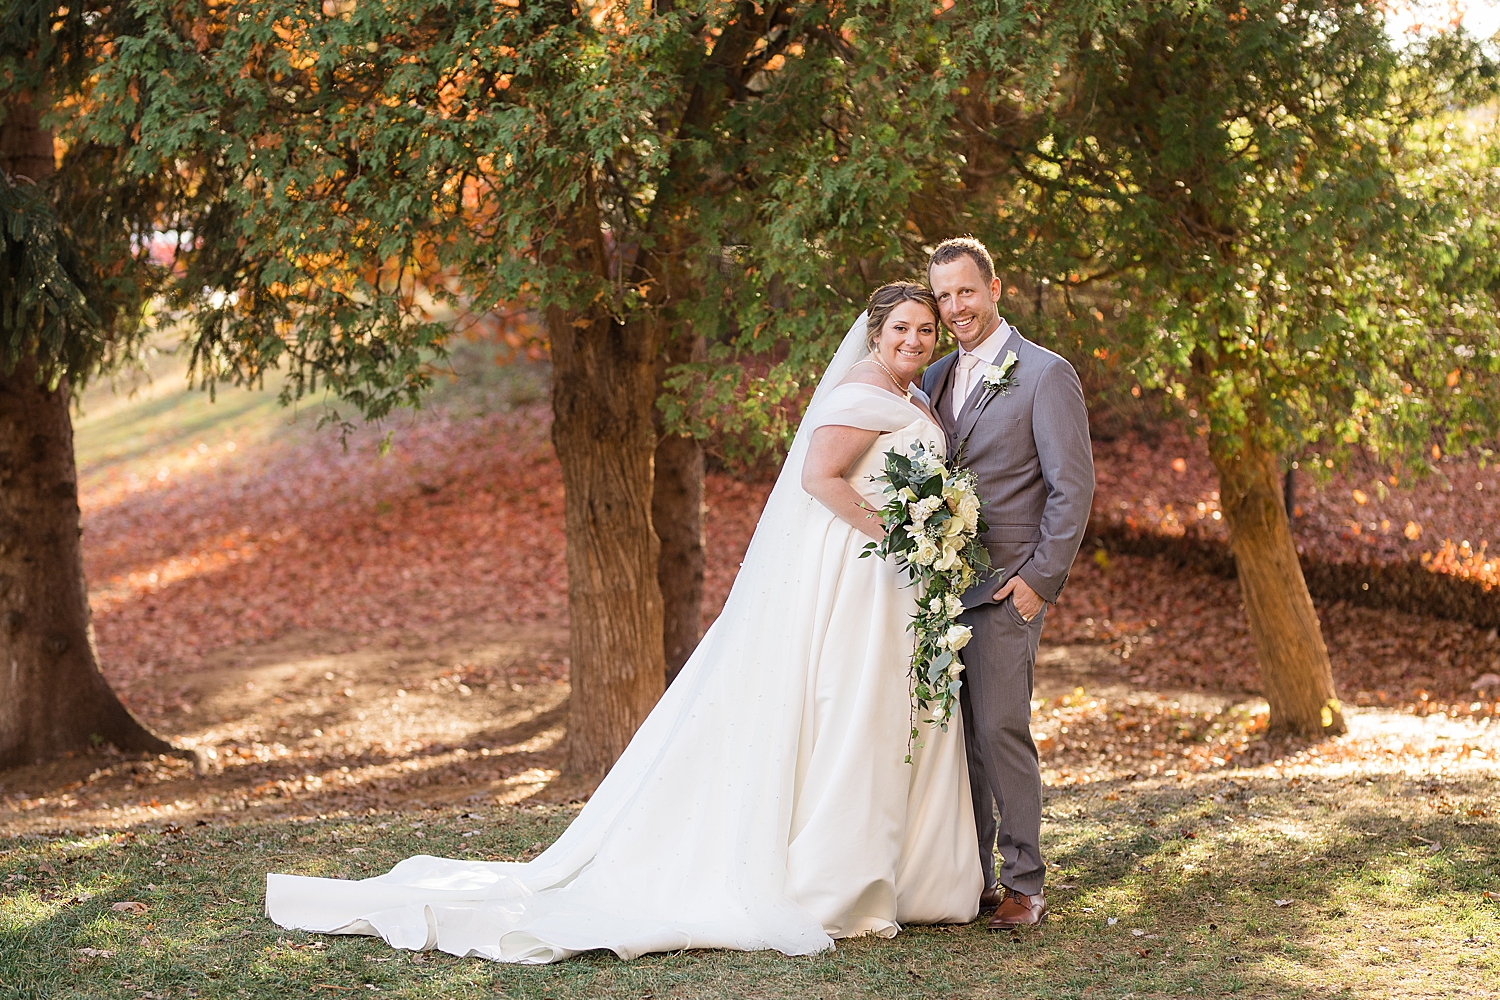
(888, 297)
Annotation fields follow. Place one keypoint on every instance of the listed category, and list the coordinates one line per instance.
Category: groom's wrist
(1039, 584)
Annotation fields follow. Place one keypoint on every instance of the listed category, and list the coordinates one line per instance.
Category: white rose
(968, 511)
(955, 668)
(927, 551)
(953, 605)
(957, 637)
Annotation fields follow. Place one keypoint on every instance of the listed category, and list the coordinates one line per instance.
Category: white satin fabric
(763, 804)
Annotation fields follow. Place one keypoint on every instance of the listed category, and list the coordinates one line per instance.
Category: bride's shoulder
(856, 389)
(865, 375)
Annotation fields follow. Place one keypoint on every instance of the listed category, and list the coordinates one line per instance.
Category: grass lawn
(1366, 866)
(1240, 884)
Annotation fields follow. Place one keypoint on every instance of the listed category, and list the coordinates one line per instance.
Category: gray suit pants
(999, 663)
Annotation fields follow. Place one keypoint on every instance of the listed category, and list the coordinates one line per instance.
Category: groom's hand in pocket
(1027, 601)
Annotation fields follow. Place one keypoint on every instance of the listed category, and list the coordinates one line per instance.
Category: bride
(765, 802)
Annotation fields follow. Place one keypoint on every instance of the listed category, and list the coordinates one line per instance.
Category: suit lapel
(940, 390)
(979, 398)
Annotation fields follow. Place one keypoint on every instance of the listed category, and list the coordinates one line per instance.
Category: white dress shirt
(964, 380)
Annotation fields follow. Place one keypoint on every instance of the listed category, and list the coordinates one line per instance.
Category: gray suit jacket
(1030, 449)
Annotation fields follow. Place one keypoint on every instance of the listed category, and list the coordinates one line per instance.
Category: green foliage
(44, 309)
(76, 272)
(933, 525)
(372, 165)
(1295, 221)
(749, 171)
(836, 199)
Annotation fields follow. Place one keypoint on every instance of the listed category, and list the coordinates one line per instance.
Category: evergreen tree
(74, 277)
(663, 182)
(1298, 225)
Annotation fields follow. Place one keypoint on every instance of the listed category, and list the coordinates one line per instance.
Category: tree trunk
(25, 147)
(603, 405)
(677, 512)
(52, 696)
(1294, 667)
(604, 390)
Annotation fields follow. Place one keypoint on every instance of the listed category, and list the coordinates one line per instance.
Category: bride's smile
(906, 342)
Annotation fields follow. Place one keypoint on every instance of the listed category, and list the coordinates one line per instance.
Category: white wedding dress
(765, 802)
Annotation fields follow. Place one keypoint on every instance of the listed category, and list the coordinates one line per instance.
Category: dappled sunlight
(1276, 878)
(1091, 725)
(325, 540)
(471, 714)
(1310, 878)
(215, 556)
(368, 654)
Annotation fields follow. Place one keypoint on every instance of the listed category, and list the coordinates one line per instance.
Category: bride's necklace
(894, 381)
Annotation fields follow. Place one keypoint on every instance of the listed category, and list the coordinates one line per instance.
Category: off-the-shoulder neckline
(887, 393)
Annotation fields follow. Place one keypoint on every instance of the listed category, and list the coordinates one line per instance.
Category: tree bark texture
(1294, 666)
(677, 513)
(52, 696)
(603, 405)
(605, 385)
(25, 147)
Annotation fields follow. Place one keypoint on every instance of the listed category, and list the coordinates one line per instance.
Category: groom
(1017, 412)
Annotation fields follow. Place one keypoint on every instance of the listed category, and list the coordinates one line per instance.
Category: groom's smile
(966, 301)
(962, 325)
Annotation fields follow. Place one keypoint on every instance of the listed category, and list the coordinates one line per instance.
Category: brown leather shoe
(989, 899)
(1017, 910)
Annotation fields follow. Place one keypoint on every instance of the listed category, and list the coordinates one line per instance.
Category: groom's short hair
(964, 246)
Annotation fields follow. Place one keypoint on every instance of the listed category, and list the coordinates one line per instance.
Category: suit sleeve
(1060, 426)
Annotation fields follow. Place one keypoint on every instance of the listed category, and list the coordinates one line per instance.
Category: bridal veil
(685, 842)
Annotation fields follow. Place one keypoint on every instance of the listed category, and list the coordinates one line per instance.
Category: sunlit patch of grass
(1281, 890)
(151, 420)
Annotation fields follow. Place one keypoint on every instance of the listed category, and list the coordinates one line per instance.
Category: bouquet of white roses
(933, 523)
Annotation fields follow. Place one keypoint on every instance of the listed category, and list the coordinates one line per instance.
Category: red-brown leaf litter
(349, 628)
(463, 520)
(1187, 630)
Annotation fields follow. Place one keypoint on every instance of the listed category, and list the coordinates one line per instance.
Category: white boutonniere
(1000, 378)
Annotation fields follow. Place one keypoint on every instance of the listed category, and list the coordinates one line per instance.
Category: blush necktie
(967, 362)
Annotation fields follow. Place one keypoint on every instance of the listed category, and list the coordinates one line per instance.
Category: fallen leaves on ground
(340, 585)
(461, 520)
(1164, 482)
(1182, 630)
(1179, 629)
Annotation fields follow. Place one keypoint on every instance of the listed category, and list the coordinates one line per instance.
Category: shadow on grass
(498, 763)
(1250, 887)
